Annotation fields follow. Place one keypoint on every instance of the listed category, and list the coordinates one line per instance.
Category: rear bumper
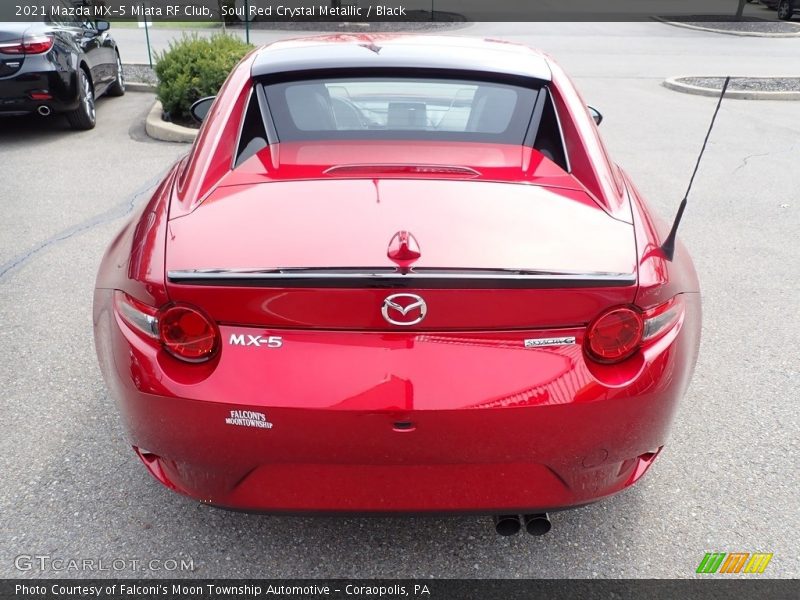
(247, 474)
(498, 430)
(38, 75)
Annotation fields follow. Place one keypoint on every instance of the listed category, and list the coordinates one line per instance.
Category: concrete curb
(727, 32)
(136, 86)
(672, 83)
(159, 129)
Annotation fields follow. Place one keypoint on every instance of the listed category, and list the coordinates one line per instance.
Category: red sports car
(397, 274)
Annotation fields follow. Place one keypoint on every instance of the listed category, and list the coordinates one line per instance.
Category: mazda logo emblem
(404, 309)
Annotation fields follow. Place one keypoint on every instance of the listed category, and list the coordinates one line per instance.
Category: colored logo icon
(734, 562)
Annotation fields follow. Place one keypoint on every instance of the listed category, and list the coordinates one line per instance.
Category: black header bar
(265, 11)
(708, 588)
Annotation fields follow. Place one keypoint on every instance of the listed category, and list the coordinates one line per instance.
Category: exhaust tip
(507, 524)
(538, 524)
(44, 111)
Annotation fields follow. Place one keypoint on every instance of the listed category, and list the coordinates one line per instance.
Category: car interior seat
(492, 109)
(407, 115)
(310, 107)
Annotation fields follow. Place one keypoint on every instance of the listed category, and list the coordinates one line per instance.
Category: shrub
(193, 68)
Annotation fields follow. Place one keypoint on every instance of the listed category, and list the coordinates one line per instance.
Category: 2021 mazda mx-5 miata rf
(397, 275)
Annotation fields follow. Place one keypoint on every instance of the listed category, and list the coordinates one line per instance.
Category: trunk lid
(12, 32)
(493, 255)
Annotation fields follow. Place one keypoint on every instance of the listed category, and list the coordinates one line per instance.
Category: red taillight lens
(187, 334)
(184, 331)
(38, 44)
(615, 335)
(12, 49)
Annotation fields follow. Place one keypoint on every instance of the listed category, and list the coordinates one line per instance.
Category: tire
(118, 87)
(785, 9)
(84, 117)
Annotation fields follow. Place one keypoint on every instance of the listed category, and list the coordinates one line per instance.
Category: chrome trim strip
(390, 278)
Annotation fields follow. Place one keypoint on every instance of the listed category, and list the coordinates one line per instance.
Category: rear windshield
(400, 108)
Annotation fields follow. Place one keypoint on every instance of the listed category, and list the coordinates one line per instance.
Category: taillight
(37, 44)
(184, 331)
(138, 315)
(188, 334)
(12, 49)
(662, 318)
(615, 335)
(618, 333)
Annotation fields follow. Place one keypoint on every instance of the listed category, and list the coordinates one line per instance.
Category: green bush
(193, 68)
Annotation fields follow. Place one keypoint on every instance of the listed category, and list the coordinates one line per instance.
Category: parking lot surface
(727, 481)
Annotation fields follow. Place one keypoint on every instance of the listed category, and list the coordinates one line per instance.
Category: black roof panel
(400, 52)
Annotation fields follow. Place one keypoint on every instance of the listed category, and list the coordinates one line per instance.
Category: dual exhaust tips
(536, 524)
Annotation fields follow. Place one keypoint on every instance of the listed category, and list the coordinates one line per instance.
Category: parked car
(58, 66)
(786, 9)
(397, 275)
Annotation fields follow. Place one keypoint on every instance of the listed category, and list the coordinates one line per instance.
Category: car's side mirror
(102, 26)
(200, 108)
(598, 118)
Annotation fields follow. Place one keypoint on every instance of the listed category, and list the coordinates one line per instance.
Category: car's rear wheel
(785, 9)
(84, 117)
(118, 87)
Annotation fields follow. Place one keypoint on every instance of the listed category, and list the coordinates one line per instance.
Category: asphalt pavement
(727, 481)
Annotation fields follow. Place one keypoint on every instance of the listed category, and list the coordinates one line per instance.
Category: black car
(58, 66)
(787, 8)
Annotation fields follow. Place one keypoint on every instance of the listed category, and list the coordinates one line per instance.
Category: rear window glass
(400, 108)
